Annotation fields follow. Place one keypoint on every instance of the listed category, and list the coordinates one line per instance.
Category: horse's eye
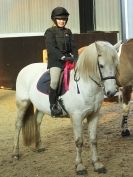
(101, 66)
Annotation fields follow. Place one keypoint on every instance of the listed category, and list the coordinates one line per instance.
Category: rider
(60, 47)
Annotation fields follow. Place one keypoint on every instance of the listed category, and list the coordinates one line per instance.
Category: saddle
(43, 84)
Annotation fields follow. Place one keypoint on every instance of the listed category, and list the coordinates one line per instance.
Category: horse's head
(99, 62)
(107, 66)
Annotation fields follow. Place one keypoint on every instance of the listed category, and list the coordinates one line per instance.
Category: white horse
(95, 73)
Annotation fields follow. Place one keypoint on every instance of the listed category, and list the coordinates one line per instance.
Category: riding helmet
(59, 13)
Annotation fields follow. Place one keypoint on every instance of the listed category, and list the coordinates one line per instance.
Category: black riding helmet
(59, 13)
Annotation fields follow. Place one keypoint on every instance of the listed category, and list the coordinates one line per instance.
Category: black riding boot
(55, 110)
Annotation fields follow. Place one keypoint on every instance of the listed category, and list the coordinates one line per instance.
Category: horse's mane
(87, 62)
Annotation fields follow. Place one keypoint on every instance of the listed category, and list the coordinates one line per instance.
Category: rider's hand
(67, 58)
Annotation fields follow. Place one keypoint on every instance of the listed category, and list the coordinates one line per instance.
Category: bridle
(102, 79)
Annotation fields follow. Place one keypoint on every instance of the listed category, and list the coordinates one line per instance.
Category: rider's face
(61, 22)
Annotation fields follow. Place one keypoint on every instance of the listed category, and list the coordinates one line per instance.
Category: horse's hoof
(101, 170)
(38, 149)
(41, 149)
(125, 133)
(99, 167)
(81, 170)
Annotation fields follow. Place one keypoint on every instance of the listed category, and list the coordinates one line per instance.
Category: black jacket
(59, 42)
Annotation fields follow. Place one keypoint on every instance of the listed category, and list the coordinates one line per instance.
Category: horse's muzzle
(110, 94)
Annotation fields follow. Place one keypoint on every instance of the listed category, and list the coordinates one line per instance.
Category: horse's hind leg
(21, 109)
(38, 146)
(92, 131)
(126, 92)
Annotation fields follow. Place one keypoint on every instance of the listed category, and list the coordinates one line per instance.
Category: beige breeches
(55, 76)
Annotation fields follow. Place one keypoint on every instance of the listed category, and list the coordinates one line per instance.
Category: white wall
(33, 16)
(108, 15)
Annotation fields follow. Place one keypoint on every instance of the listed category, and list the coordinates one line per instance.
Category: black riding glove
(67, 58)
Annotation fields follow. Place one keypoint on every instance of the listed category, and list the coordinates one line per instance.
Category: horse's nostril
(110, 94)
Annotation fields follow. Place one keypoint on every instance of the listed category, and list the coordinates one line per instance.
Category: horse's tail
(29, 128)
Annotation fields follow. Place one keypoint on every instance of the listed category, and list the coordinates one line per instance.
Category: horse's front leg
(38, 145)
(92, 131)
(126, 93)
(78, 135)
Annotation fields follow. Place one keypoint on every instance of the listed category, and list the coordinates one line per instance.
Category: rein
(99, 84)
(76, 80)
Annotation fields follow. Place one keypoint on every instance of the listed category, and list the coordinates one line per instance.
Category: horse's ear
(98, 47)
(117, 45)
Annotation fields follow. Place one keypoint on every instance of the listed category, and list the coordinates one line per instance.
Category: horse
(94, 75)
(125, 81)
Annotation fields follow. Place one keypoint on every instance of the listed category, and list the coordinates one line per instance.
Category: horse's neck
(88, 88)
